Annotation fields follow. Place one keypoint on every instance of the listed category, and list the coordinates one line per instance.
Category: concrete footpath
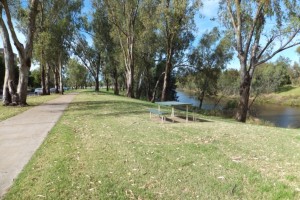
(21, 136)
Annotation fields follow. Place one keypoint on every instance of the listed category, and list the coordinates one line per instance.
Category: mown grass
(106, 147)
(9, 111)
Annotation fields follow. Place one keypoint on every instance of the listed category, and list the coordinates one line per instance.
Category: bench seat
(157, 112)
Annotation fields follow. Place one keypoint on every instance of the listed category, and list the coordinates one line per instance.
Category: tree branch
(17, 43)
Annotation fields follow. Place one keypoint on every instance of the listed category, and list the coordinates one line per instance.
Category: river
(280, 116)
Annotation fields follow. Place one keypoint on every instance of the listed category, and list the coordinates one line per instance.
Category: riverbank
(287, 95)
(107, 147)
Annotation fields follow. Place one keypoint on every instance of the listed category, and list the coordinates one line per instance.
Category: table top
(172, 103)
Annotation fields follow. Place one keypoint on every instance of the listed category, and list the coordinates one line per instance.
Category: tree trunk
(97, 85)
(139, 86)
(129, 84)
(61, 86)
(25, 54)
(56, 79)
(166, 80)
(155, 88)
(116, 85)
(107, 84)
(202, 94)
(43, 77)
(10, 96)
(97, 79)
(201, 98)
(47, 79)
(23, 79)
(242, 111)
(130, 66)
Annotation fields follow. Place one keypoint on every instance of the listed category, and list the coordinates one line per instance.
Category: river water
(280, 116)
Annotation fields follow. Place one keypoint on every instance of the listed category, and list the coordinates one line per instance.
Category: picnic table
(174, 104)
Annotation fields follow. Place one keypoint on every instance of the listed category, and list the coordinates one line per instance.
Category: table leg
(173, 112)
(187, 113)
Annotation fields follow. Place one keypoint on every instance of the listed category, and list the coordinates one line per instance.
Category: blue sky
(208, 11)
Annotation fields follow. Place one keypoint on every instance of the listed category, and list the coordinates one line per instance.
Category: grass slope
(287, 95)
(106, 147)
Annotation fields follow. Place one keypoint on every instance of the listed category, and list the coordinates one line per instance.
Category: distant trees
(76, 74)
(269, 77)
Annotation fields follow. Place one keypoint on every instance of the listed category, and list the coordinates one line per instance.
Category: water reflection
(281, 116)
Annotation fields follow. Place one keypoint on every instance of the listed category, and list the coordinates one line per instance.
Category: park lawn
(106, 147)
(9, 111)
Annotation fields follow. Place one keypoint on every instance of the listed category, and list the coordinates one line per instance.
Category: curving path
(21, 136)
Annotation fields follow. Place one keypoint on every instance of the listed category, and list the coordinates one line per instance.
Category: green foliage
(294, 73)
(34, 80)
(76, 74)
(207, 60)
(229, 81)
(270, 77)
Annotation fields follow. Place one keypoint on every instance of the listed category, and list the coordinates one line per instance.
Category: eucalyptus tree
(124, 16)
(104, 44)
(175, 24)
(58, 22)
(9, 86)
(147, 49)
(25, 52)
(261, 30)
(207, 60)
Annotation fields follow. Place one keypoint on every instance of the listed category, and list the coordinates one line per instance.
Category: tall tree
(25, 52)
(10, 96)
(256, 39)
(58, 22)
(124, 16)
(176, 20)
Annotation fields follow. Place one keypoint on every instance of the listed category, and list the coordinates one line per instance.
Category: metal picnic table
(174, 104)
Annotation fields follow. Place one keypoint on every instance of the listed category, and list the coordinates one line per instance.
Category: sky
(203, 24)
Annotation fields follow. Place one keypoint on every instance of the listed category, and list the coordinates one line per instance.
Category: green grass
(106, 147)
(286, 95)
(9, 111)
